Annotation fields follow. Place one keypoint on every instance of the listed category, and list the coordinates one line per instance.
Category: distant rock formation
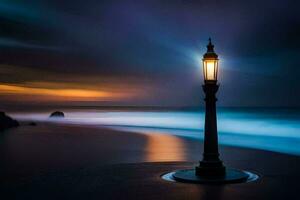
(57, 114)
(7, 122)
(32, 124)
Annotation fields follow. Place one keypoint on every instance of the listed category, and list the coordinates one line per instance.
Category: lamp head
(210, 64)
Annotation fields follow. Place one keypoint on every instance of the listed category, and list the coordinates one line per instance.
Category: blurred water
(268, 129)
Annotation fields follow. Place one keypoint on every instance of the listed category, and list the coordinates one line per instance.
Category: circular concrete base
(231, 176)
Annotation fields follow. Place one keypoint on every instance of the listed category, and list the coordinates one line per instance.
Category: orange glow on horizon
(27, 85)
(66, 93)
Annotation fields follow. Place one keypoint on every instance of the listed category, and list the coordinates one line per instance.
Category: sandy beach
(41, 161)
(52, 146)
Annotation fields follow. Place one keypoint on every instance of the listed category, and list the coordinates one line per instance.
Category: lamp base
(230, 176)
(211, 168)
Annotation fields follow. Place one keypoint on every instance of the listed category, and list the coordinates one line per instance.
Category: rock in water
(58, 114)
(7, 122)
(32, 124)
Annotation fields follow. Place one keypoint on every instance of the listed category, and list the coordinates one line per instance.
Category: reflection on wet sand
(163, 147)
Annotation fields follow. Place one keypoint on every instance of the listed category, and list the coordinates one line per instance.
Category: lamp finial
(210, 46)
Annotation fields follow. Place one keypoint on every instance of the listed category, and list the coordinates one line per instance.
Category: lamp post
(210, 168)
(210, 164)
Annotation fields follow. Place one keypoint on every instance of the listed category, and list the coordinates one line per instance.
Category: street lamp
(210, 168)
(210, 164)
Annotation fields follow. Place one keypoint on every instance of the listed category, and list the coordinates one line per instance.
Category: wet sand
(62, 161)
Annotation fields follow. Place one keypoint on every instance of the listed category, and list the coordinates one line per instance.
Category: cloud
(151, 47)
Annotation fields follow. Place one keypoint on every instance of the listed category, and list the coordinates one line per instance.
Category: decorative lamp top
(210, 53)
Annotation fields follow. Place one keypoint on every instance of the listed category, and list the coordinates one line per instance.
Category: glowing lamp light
(210, 64)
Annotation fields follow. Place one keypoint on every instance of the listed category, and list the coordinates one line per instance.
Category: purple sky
(148, 52)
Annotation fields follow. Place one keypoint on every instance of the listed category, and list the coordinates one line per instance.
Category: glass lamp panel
(217, 69)
(210, 70)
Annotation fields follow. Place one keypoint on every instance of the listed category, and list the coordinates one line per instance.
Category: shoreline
(276, 131)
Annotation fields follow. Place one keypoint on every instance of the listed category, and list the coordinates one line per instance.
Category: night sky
(91, 52)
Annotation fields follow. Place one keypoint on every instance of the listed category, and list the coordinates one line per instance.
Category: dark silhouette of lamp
(211, 168)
